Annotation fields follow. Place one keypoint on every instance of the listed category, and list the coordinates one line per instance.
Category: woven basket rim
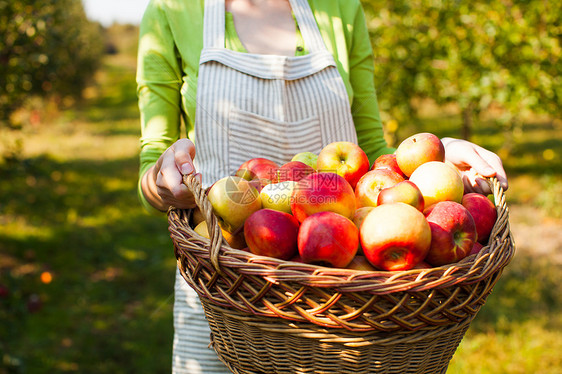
(491, 258)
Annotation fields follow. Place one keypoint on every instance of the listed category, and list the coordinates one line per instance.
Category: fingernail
(187, 168)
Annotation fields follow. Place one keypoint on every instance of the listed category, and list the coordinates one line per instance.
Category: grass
(86, 276)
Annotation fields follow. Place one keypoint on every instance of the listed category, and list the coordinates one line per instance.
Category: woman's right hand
(167, 176)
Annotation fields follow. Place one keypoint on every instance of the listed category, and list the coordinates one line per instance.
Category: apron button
(300, 48)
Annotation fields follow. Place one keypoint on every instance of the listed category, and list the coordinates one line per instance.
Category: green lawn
(68, 209)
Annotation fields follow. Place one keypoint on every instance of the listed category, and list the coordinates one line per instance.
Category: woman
(254, 78)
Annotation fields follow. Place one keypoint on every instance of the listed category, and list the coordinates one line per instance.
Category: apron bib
(268, 106)
(251, 105)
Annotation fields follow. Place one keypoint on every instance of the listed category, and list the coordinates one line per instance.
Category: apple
(197, 216)
(395, 236)
(422, 265)
(369, 186)
(361, 263)
(484, 213)
(297, 258)
(261, 171)
(477, 247)
(308, 158)
(453, 233)
(328, 238)
(438, 181)
(402, 192)
(272, 233)
(388, 161)
(277, 196)
(293, 171)
(321, 192)
(417, 150)
(233, 200)
(358, 218)
(360, 214)
(344, 158)
(235, 240)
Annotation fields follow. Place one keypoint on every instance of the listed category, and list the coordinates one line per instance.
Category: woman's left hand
(475, 163)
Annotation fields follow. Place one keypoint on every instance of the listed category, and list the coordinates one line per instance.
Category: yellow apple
(277, 196)
(438, 181)
(234, 199)
(236, 240)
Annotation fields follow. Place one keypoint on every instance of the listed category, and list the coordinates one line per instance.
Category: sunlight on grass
(528, 347)
(18, 228)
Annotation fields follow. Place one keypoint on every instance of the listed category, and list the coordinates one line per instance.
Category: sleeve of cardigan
(365, 108)
(158, 89)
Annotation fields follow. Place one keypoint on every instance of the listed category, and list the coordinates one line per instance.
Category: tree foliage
(477, 54)
(47, 47)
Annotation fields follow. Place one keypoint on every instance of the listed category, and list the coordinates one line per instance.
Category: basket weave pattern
(347, 319)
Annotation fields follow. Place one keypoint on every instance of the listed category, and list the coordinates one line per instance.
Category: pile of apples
(407, 210)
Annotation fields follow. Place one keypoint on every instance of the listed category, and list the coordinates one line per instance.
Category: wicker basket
(274, 316)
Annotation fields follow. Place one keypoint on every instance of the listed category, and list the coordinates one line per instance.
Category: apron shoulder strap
(214, 25)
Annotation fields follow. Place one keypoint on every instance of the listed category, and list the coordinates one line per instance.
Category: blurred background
(86, 275)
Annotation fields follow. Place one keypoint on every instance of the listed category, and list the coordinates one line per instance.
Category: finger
(170, 179)
(500, 172)
(480, 164)
(482, 186)
(184, 153)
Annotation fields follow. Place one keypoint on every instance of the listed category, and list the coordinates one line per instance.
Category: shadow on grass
(107, 308)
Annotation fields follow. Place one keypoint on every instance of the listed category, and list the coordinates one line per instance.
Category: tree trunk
(467, 115)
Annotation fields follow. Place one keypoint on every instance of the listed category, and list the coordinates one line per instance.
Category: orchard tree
(477, 55)
(47, 47)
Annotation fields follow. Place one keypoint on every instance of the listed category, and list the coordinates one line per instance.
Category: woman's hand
(164, 181)
(475, 163)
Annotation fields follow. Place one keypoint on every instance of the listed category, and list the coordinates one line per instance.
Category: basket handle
(215, 232)
(501, 205)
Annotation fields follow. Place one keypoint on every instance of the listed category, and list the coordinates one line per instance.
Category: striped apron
(251, 105)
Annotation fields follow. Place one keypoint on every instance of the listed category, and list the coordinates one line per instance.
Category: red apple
(344, 158)
(321, 192)
(297, 258)
(293, 171)
(233, 200)
(272, 233)
(402, 192)
(453, 233)
(484, 213)
(477, 247)
(370, 185)
(261, 171)
(360, 214)
(328, 238)
(361, 263)
(395, 236)
(417, 150)
(388, 161)
(438, 181)
(422, 265)
(358, 218)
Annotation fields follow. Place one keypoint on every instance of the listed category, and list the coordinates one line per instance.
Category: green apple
(308, 158)
(277, 196)
(234, 199)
